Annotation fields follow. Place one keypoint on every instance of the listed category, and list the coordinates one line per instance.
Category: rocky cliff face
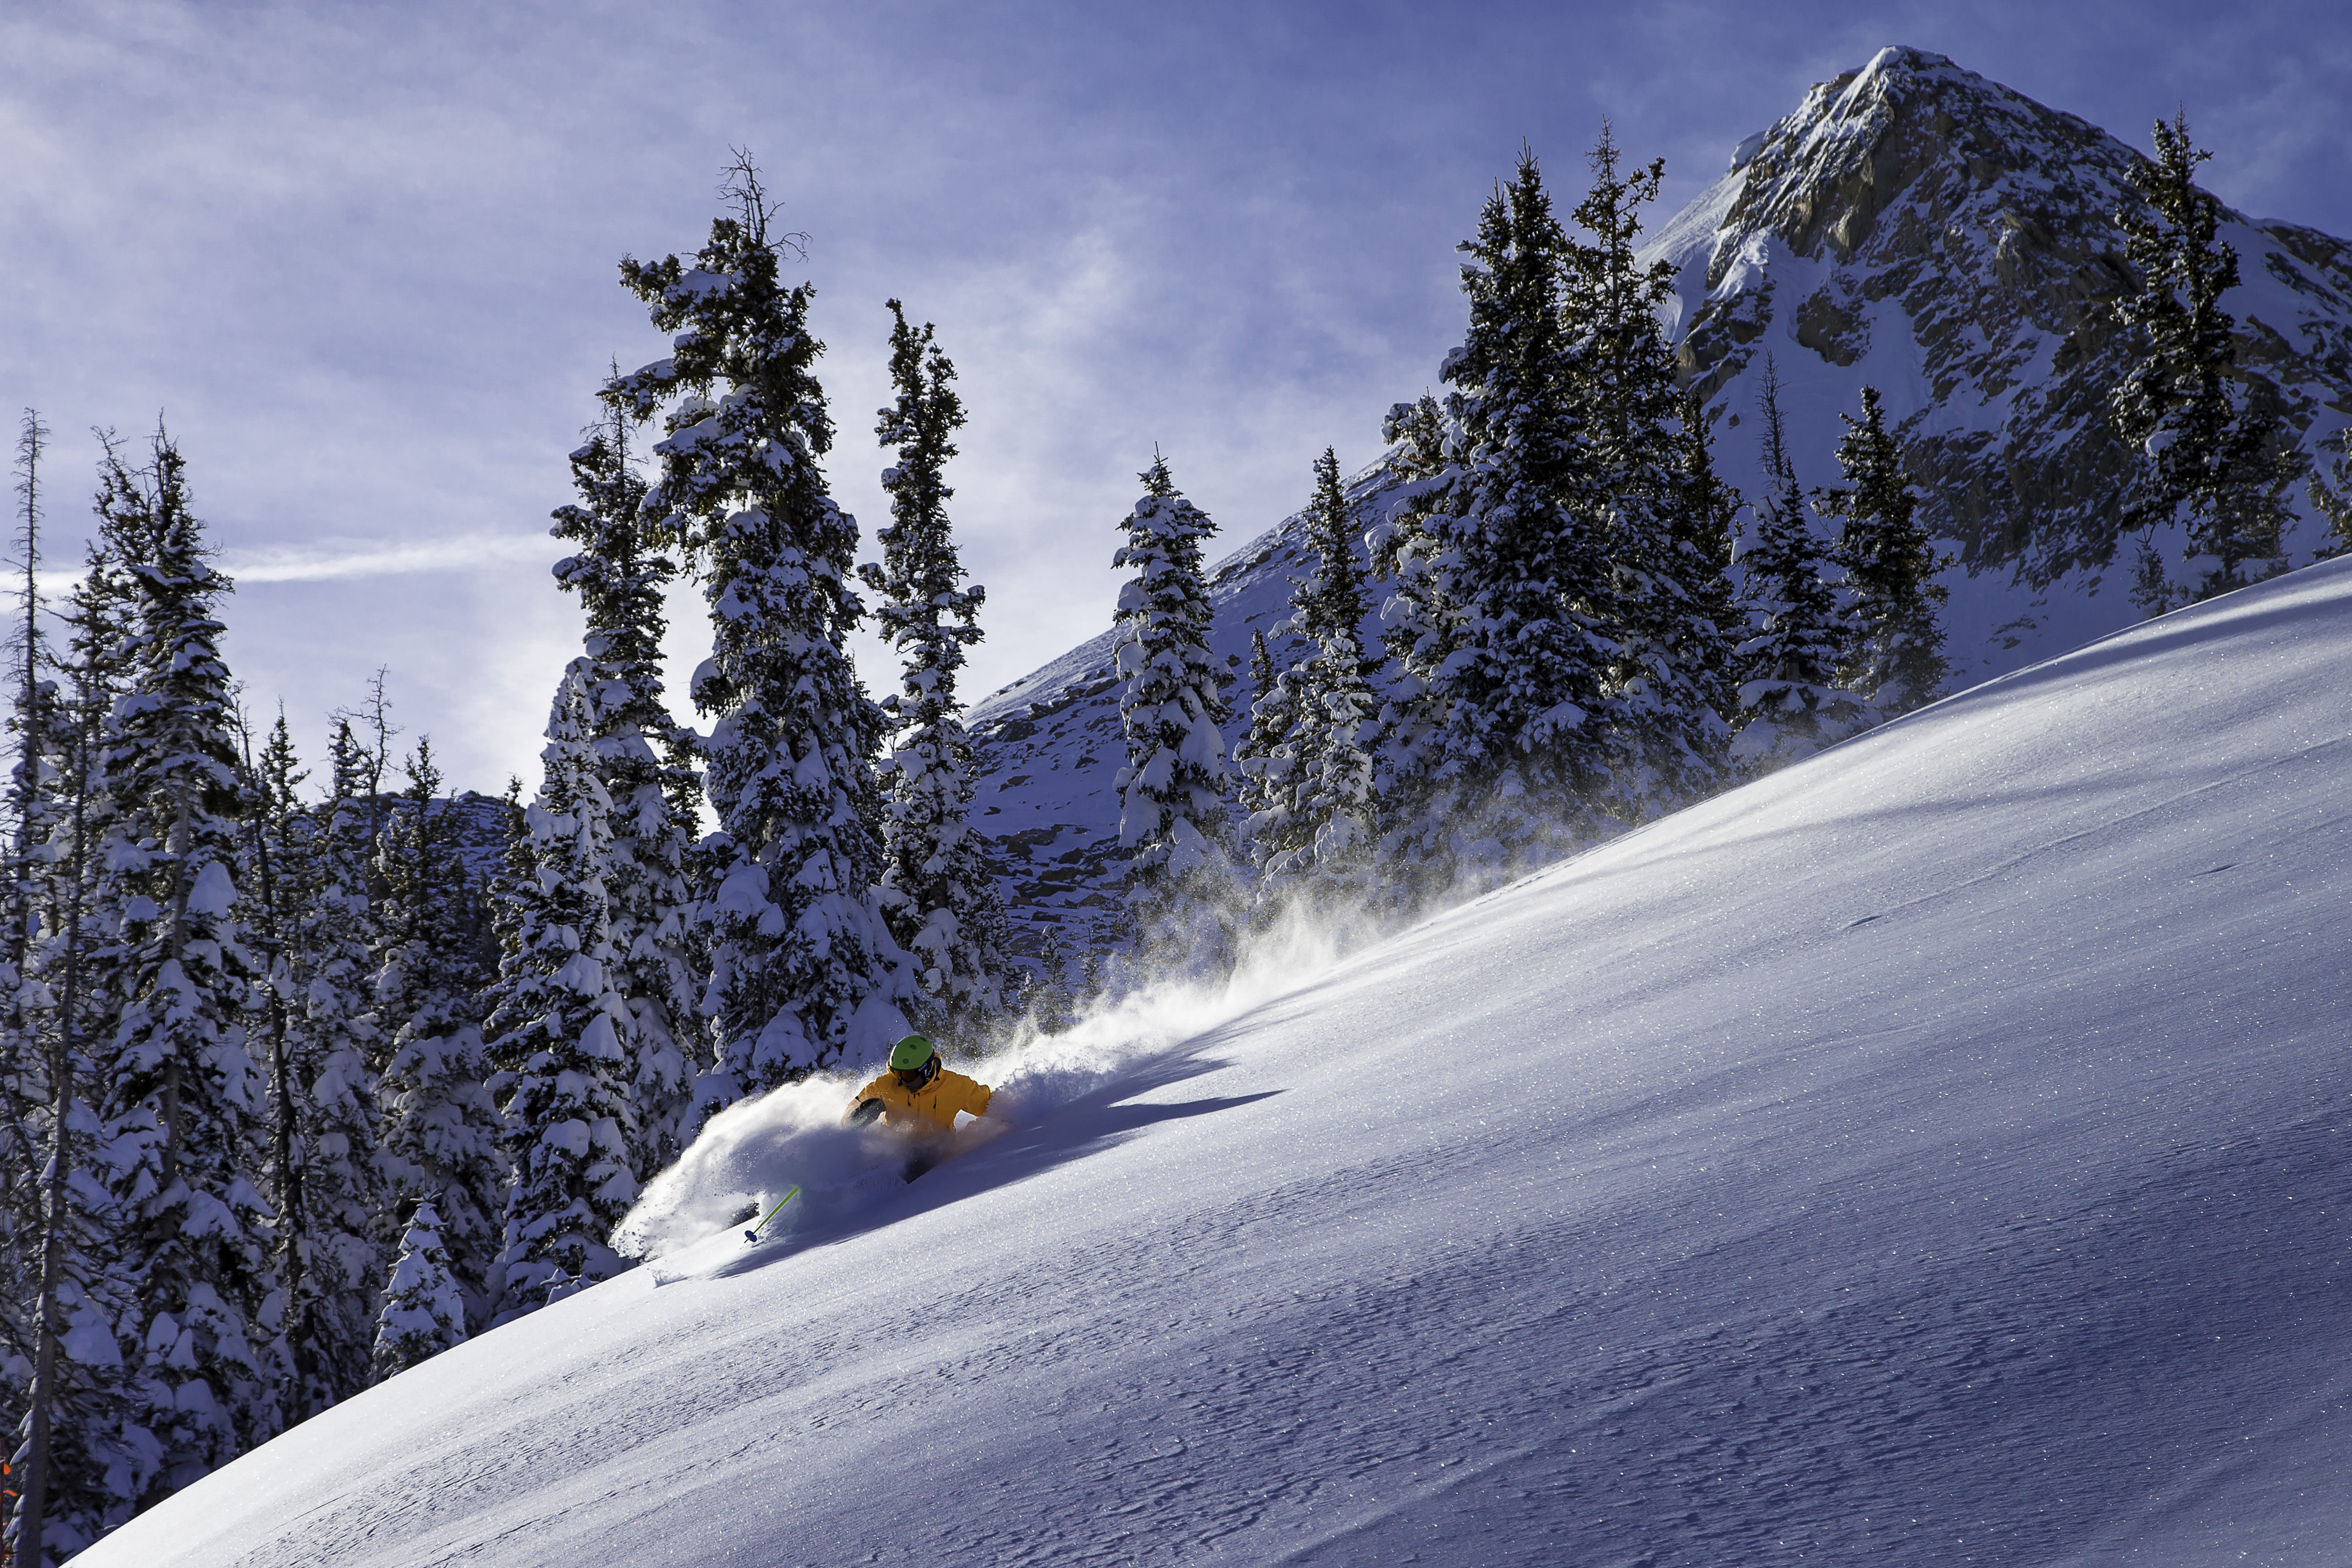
(1911, 225)
(1918, 227)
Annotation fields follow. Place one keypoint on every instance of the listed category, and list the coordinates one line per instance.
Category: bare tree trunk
(35, 1501)
(289, 1176)
(179, 947)
(33, 1504)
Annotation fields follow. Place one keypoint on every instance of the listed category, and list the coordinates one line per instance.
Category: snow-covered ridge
(1941, 1149)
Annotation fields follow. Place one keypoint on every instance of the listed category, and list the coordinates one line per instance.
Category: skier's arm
(864, 1105)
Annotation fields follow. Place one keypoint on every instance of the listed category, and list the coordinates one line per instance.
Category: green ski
(792, 1193)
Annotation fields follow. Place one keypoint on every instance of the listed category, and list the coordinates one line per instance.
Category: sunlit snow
(1938, 1152)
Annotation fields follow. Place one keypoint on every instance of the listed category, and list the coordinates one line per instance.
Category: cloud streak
(390, 560)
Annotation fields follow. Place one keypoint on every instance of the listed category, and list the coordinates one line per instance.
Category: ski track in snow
(1939, 1152)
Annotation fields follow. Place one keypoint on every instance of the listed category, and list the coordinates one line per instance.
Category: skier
(919, 1098)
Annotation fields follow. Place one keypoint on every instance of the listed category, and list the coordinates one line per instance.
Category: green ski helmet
(911, 1053)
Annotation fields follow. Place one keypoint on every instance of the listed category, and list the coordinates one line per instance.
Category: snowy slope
(1938, 1151)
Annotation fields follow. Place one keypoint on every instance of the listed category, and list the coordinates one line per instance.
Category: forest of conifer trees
(313, 1070)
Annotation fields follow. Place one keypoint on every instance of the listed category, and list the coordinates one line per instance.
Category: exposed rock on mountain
(1916, 226)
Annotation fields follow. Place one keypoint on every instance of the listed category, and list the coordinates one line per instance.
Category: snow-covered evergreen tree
(1707, 529)
(944, 908)
(345, 1186)
(1265, 759)
(1333, 819)
(1625, 398)
(179, 1091)
(511, 898)
(1513, 658)
(309, 924)
(570, 1114)
(1896, 648)
(441, 1130)
(643, 759)
(72, 1476)
(1422, 629)
(305, 871)
(269, 879)
(423, 1304)
(2210, 457)
(790, 908)
(87, 1470)
(1790, 701)
(1172, 822)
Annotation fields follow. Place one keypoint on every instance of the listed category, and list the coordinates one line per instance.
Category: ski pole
(753, 1233)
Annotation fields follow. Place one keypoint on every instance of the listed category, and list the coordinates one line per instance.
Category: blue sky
(362, 257)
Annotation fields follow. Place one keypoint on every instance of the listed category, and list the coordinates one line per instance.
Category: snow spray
(754, 1150)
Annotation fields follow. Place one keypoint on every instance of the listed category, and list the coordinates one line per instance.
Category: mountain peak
(1915, 226)
(1820, 178)
(1900, 62)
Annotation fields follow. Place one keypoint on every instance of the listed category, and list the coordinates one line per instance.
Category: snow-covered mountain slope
(1938, 1151)
(1910, 225)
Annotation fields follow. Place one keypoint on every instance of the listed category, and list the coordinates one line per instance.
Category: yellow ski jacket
(930, 1110)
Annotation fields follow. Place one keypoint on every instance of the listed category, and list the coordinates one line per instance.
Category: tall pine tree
(340, 1121)
(1265, 761)
(311, 916)
(2210, 456)
(1895, 648)
(65, 1390)
(643, 759)
(1172, 822)
(1332, 825)
(24, 1078)
(1422, 629)
(1707, 530)
(789, 906)
(570, 1114)
(1625, 396)
(1790, 704)
(1511, 663)
(180, 1092)
(944, 908)
(441, 1135)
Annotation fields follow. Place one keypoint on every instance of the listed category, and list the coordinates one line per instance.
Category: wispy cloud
(385, 560)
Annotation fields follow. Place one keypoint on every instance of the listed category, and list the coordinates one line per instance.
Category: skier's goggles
(916, 1078)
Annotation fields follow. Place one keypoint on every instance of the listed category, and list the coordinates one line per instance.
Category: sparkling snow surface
(1939, 1153)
